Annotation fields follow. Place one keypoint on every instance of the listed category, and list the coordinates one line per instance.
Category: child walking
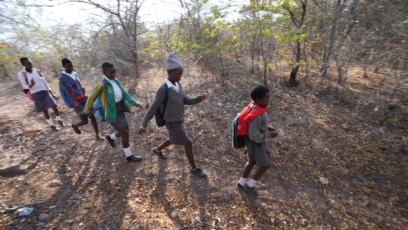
(174, 112)
(72, 91)
(33, 82)
(258, 132)
(113, 98)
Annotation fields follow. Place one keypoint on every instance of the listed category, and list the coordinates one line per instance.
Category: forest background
(344, 61)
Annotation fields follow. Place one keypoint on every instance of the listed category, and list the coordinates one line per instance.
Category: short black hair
(65, 61)
(107, 65)
(23, 60)
(258, 92)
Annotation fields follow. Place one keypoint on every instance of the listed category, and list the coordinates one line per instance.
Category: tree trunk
(293, 74)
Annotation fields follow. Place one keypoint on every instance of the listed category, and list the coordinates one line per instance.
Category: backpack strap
(24, 72)
(166, 96)
(254, 112)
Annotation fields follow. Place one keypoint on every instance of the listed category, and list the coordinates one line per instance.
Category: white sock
(50, 122)
(127, 152)
(242, 181)
(58, 118)
(112, 136)
(250, 182)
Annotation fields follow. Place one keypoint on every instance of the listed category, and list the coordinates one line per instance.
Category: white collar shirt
(175, 87)
(40, 83)
(72, 75)
(116, 89)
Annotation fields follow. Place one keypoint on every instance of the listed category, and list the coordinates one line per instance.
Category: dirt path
(74, 182)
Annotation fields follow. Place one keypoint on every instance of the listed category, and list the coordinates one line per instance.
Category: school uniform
(113, 100)
(256, 140)
(71, 86)
(40, 91)
(174, 113)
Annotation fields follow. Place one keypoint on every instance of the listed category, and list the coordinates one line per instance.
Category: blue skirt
(43, 101)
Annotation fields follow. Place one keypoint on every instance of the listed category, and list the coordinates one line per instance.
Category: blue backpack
(159, 115)
(97, 105)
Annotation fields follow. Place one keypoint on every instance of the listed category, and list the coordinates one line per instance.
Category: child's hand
(139, 107)
(54, 96)
(203, 97)
(32, 83)
(273, 134)
(142, 131)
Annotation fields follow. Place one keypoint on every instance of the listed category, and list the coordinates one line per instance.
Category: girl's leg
(55, 110)
(83, 121)
(124, 133)
(46, 114)
(94, 123)
(57, 116)
(49, 120)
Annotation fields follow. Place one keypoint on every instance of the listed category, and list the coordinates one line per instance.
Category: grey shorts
(177, 135)
(43, 101)
(121, 120)
(258, 152)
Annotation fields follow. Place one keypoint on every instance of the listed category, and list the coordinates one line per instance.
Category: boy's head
(67, 65)
(26, 63)
(260, 95)
(109, 70)
(174, 68)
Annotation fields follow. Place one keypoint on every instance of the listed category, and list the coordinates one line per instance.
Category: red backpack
(240, 123)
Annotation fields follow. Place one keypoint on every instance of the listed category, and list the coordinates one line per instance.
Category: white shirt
(175, 87)
(116, 89)
(72, 75)
(40, 83)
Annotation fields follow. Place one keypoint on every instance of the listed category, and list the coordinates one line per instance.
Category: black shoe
(240, 186)
(111, 142)
(251, 190)
(76, 129)
(132, 158)
(53, 127)
(159, 153)
(198, 172)
(61, 123)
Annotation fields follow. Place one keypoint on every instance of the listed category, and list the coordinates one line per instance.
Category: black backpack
(159, 115)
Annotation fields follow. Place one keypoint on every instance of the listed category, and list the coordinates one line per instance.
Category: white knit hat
(173, 62)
